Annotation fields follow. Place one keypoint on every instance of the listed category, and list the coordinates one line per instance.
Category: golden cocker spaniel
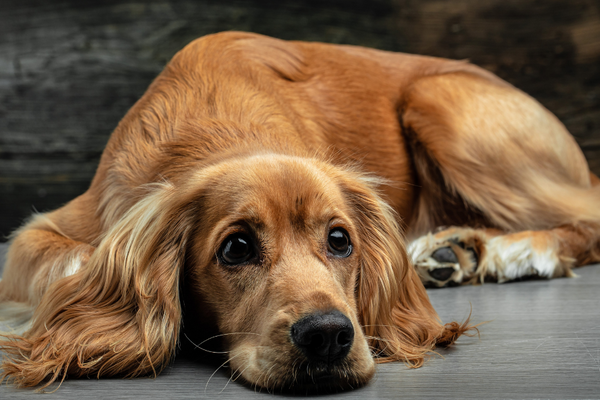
(261, 188)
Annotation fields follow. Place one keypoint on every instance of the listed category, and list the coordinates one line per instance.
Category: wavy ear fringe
(120, 314)
(395, 311)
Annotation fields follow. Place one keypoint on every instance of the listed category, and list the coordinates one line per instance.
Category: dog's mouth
(323, 380)
(312, 378)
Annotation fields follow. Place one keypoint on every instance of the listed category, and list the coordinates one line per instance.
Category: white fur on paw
(420, 249)
(502, 258)
(509, 259)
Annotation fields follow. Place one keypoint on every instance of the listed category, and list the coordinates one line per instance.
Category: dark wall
(70, 70)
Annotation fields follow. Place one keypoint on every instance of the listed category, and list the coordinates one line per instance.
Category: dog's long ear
(120, 314)
(394, 308)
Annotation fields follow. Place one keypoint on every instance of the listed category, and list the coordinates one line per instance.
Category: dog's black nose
(323, 336)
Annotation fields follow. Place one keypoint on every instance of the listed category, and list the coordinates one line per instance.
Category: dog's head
(299, 264)
(302, 267)
(277, 261)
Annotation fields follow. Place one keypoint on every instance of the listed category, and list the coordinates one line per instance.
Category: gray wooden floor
(543, 341)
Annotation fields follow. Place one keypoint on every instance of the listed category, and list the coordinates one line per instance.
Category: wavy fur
(284, 142)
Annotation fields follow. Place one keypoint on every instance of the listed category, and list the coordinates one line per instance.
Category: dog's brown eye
(339, 242)
(236, 249)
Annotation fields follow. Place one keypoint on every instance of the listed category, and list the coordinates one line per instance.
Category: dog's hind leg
(504, 172)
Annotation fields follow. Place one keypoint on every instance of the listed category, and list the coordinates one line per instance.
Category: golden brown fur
(285, 141)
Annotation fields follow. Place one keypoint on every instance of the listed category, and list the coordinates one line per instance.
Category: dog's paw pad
(444, 255)
(441, 274)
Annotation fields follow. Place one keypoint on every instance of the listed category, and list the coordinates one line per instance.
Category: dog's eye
(339, 242)
(236, 249)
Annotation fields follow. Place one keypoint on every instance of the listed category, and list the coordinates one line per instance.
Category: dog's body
(272, 180)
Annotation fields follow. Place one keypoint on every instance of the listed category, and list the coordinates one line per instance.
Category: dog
(295, 197)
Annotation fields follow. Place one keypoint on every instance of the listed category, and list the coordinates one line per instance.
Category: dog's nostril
(316, 344)
(317, 341)
(323, 336)
(344, 338)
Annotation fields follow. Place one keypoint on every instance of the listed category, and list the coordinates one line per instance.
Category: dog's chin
(324, 380)
(310, 378)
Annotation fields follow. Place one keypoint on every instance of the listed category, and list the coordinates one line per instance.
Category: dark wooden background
(69, 70)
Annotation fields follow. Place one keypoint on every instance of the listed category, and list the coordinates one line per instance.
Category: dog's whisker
(256, 384)
(293, 368)
(376, 338)
(203, 349)
(241, 373)
(376, 352)
(198, 346)
(378, 325)
(235, 378)
(268, 374)
(232, 377)
(218, 368)
(229, 334)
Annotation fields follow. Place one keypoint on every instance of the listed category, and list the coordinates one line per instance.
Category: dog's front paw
(449, 257)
